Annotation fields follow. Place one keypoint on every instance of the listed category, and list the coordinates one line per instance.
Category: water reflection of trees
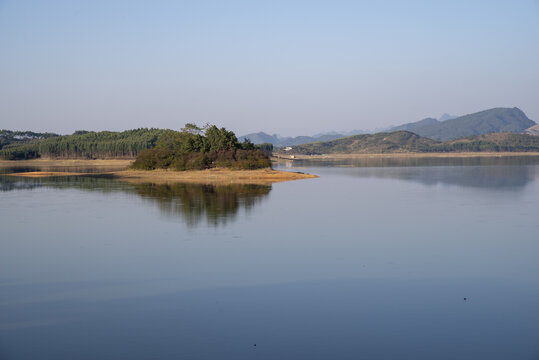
(90, 183)
(195, 202)
(190, 202)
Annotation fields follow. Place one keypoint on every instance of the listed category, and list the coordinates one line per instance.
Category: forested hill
(400, 141)
(408, 142)
(488, 121)
(81, 145)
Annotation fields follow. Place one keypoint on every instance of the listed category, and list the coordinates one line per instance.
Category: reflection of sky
(303, 230)
(497, 177)
(342, 264)
(497, 173)
(347, 319)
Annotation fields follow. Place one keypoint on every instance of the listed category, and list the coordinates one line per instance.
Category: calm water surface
(373, 260)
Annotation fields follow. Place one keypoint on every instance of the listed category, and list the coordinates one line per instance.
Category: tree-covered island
(196, 148)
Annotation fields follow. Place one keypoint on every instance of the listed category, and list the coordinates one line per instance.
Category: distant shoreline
(277, 157)
(281, 157)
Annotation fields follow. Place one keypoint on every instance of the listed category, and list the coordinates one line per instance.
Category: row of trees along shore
(83, 145)
(198, 148)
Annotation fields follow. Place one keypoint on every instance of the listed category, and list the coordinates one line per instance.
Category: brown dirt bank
(405, 155)
(211, 176)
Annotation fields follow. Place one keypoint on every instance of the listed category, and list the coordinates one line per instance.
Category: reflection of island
(103, 184)
(193, 202)
(190, 202)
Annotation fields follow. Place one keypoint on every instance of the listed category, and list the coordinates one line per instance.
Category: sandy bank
(212, 176)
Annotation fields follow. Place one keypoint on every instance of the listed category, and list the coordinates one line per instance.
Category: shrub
(151, 159)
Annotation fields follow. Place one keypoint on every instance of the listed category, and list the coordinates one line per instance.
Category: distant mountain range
(278, 141)
(488, 121)
(405, 141)
(447, 127)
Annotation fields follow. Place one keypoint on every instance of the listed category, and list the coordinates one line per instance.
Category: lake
(376, 259)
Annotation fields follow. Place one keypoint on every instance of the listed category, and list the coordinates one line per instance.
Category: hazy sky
(290, 67)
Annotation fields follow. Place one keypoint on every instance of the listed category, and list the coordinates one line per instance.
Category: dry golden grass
(211, 176)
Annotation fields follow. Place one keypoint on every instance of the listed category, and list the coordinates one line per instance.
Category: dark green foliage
(20, 145)
(156, 158)
(20, 151)
(221, 139)
(104, 144)
(483, 122)
(251, 159)
(85, 145)
(190, 150)
(9, 137)
(248, 145)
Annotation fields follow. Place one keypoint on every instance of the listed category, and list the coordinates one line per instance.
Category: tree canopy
(81, 145)
(189, 149)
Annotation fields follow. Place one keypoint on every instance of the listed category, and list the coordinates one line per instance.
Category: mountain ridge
(487, 121)
(447, 127)
(262, 137)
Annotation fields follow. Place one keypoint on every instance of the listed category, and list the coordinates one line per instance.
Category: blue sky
(288, 67)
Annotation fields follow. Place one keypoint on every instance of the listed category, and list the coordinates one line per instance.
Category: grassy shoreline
(211, 176)
(220, 176)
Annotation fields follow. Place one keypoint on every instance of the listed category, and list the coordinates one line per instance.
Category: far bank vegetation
(17, 145)
(408, 142)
